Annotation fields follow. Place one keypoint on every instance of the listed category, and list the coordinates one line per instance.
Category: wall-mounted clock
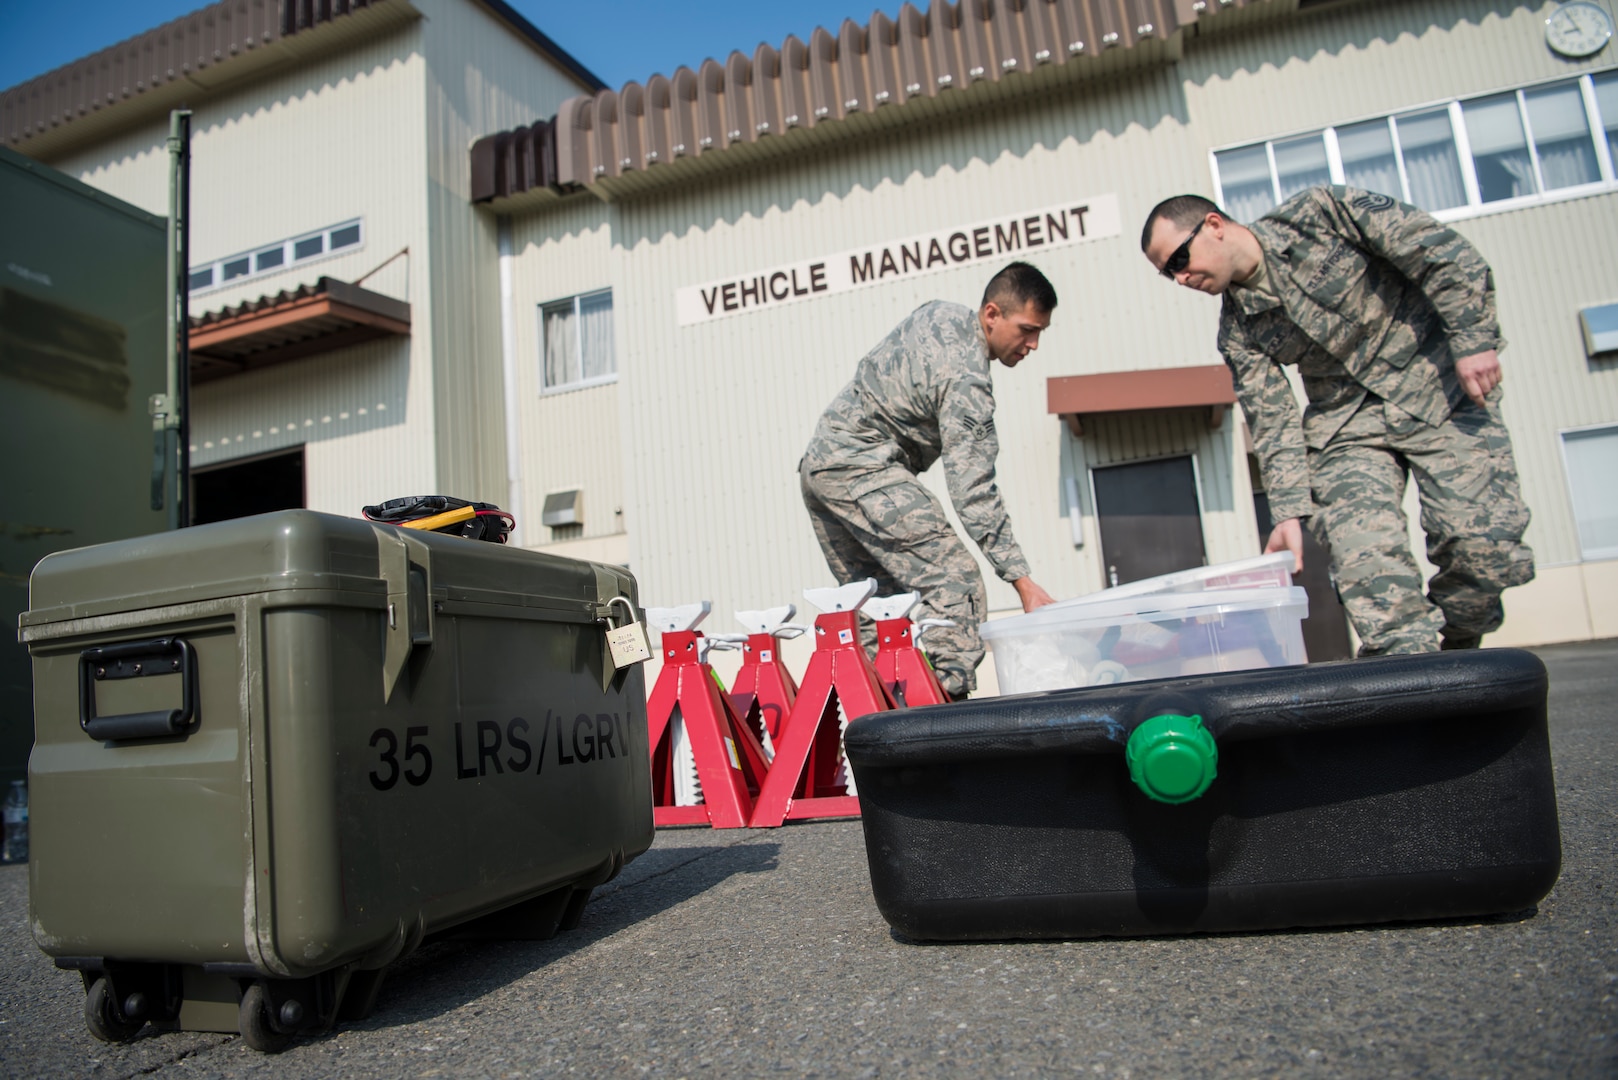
(1578, 28)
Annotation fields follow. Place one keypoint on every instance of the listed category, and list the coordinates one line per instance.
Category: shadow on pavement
(443, 976)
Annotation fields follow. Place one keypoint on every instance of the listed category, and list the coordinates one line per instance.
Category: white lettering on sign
(1021, 235)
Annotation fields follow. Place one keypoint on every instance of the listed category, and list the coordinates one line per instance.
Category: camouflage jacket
(923, 393)
(1370, 295)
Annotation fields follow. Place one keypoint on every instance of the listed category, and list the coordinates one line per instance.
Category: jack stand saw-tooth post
(731, 765)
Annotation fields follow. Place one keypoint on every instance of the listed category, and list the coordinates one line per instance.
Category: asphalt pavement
(747, 953)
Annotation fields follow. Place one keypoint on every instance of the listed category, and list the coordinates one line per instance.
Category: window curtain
(561, 344)
(1499, 148)
(1431, 163)
(1368, 160)
(595, 336)
(1244, 180)
(1300, 164)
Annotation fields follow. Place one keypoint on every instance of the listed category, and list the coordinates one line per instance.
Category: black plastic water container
(1399, 788)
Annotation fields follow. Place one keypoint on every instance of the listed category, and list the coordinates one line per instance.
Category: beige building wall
(571, 437)
(1360, 59)
(480, 77)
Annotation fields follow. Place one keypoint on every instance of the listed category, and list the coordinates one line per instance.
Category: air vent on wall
(563, 508)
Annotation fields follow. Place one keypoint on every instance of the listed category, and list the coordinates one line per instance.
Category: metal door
(1150, 518)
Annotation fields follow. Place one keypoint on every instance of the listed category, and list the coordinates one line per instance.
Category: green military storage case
(273, 754)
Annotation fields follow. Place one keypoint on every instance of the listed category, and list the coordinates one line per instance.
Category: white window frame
(1474, 207)
(289, 259)
(1592, 107)
(1601, 554)
(578, 343)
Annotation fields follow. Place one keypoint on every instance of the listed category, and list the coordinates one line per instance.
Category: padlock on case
(627, 644)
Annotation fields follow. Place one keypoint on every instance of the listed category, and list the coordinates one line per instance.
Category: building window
(1562, 142)
(269, 259)
(1301, 163)
(1432, 163)
(1368, 157)
(1606, 96)
(1591, 457)
(1499, 148)
(273, 258)
(578, 340)
(1506, 149)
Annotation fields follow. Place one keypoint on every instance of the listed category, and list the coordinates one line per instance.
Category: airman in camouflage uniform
(1389, 318)
(923, 393)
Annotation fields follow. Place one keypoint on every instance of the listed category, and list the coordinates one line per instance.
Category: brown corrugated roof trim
(164, 66)
(858, 71)
(181, 61)
(328, 315)
(1076, 396)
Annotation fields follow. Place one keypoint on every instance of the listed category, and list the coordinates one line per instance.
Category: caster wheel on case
(103, 1016)
(256, 1022)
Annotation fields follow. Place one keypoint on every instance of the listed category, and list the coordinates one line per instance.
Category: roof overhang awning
(1073, 397)
(318, 318)
(848, 82)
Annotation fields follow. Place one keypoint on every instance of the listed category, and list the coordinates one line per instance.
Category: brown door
(1150, 520)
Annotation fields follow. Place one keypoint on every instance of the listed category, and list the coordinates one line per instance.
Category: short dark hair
(1019, 284)
(1183, 210)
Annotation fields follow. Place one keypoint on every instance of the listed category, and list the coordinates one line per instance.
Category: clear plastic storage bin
(1156, 636)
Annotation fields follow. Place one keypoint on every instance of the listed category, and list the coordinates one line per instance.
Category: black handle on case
(132, 659)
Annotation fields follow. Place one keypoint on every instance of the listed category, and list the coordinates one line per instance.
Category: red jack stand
(688, 714)
(764, 690)
(905, 672)
(808, 778)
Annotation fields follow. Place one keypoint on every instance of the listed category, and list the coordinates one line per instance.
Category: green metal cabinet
(82, 326)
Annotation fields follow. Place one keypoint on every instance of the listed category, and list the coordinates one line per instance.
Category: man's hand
(1479, 373)
(1288, 536)
(1031, 594)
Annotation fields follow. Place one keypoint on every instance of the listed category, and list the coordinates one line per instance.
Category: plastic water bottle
(16, 815)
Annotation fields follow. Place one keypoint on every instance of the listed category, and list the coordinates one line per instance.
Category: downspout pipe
(182, 366)
(170, 427)
(508, 360)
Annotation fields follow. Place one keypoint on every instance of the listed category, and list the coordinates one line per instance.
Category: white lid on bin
(1277, 563)
(1155, 607)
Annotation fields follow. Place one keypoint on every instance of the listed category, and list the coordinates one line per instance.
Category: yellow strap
(438, 521)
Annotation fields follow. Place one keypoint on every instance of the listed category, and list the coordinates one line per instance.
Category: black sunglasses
(1181, 255)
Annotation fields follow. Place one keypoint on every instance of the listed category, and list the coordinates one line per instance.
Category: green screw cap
(1172, 758)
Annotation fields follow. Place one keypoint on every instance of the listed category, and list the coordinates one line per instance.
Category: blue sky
(619, 40)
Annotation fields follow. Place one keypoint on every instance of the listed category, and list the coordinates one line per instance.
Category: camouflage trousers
(898, 534)
(1471, 511)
